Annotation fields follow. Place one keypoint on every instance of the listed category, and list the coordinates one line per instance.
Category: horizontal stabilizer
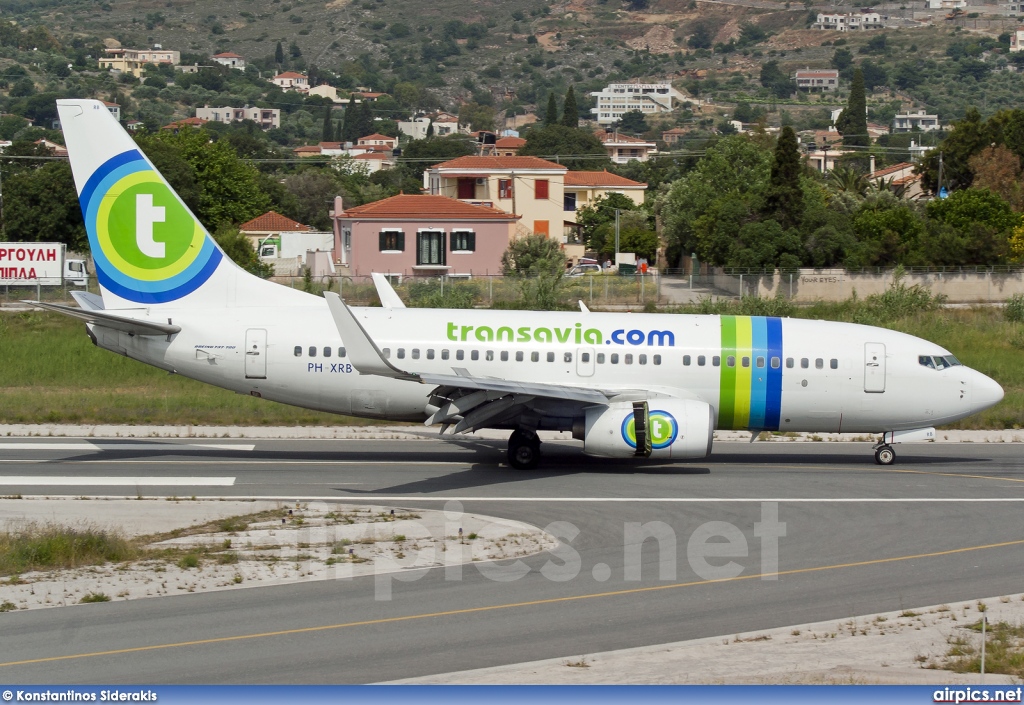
(110, 320)
(90, 302)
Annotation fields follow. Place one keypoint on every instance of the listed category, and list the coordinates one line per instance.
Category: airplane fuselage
(756, 373)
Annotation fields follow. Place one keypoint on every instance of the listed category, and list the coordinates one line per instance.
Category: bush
(189, 560)
(94, 597)
(1014, 309)
(37, 547)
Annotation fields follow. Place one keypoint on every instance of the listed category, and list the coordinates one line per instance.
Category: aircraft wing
(460, 397)
(112, 320)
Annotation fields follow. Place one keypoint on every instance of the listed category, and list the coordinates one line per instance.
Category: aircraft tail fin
(148, 247)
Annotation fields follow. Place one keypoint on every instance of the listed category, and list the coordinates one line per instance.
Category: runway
(943, 524)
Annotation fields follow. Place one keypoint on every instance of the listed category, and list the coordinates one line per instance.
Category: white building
(1017, 39)
(291, 81)
(947, 4)
(648, 98)
(623, 148)
(266, 118)
(918, 120)
(850, 21)
(817, 79)
(416, 128)
(226, 58)
(114, 109)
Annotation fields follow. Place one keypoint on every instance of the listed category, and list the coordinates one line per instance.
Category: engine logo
(664, 429)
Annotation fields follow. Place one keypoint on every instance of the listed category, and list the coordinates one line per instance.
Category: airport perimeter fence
(494, 290)
(992, 284)
(54, 293)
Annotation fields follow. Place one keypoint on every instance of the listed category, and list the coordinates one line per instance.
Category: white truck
(40, 264)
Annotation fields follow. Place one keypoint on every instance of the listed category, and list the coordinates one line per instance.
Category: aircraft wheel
(523, 450)
(885, 455)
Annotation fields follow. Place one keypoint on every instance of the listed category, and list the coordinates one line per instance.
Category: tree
(633, 121)
(238, 247)
(313, 191)
(551, 114)
(364, 120)
(571, 147)
(532, 255)
(842, 59)
(784, 199)
(478, 117)
(570, 110)
(853, 121)
(422, 154)
(328, 129)
(874, 75)
(775, 80)
(998, 169)
(41, 204)
(279, 55)
(702, 35)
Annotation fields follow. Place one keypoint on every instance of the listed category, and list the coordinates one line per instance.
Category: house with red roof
(377, 140)
(623, 148)
(530, 187)
(178, 125)
(508, 146)
(418, 235)
(232, 60)
(291, 81)
(582, 188)
(270, 225)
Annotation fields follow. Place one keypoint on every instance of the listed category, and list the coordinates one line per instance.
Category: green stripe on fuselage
(727, 384)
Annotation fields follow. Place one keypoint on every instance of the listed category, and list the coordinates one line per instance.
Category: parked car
(581, 269)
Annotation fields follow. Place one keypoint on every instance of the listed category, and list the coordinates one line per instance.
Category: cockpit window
(938, 362)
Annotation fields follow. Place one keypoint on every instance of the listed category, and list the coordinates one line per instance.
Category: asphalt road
(943, 524)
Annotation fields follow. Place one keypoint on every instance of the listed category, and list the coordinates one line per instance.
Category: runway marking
(98, 481)
(956, 474)
(569, 500)
(126, 446)
(240, 462)
(510, 605)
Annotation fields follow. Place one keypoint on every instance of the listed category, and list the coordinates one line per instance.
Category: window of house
(467, 188)
(392, 241)
(463, 241)
(430, 247)
(569, 202)
(540, 189)
(504, 188)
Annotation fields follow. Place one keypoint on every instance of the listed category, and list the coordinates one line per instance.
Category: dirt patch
(657, 40)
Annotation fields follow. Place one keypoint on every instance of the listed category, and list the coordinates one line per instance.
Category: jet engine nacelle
(663, 428)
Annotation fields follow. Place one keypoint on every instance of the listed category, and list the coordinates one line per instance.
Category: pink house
(422, 236)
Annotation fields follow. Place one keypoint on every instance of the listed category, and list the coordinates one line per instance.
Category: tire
(523, 450)
(885, 456)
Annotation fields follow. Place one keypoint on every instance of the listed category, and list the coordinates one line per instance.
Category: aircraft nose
(985, 392)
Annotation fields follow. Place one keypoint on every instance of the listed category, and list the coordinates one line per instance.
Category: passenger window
(327, 352)
(600, 358)
(298, 351)
(460, 354)
(615, 358)
(657, 359)
(642, 359)
(776, 363)
(535, 356)
(584, 357)
(401, 353)
(415, 353)
(745, 361)
(474, 355)
(567, 357)
(430, 354)
(789, 363)
(760, 362)
(819, 364)
(489, 356)
(701, 360)
(444, 354)
(833, 363)
(686, 360)
(551, 357)
(341, 352)
(519, 355)
(387, 352)
(730, 361)
(504, 355)
(627, 359)
(804, 363)
(312, 351)
(716, 361)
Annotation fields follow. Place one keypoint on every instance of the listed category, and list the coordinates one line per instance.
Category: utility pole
(938, 188)
(616, 237)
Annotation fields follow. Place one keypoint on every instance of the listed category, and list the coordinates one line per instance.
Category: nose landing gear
(523, 449)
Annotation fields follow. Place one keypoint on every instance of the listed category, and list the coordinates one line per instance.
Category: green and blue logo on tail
(147, 246)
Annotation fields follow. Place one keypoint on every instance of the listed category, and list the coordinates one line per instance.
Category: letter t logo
(145, 215)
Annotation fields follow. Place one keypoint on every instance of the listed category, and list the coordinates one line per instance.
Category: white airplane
(627, 385)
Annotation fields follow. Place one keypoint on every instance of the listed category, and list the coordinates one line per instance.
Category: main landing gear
(523, 449)
(884, 454)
